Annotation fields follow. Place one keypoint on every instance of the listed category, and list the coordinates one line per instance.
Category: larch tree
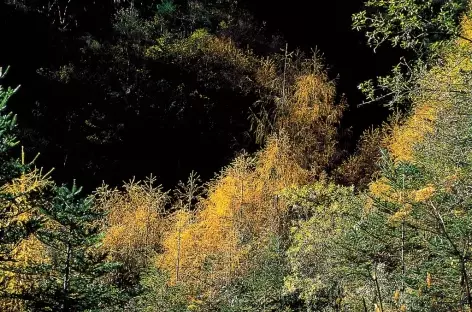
(133, 226)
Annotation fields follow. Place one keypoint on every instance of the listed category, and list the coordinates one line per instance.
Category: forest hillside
(302, 214)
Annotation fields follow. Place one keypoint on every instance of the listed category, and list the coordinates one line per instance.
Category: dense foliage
(296, 221)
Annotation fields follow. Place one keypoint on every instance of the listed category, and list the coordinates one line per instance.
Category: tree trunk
(378, 290)
(177, 266)
(467, 284)
(66, 282)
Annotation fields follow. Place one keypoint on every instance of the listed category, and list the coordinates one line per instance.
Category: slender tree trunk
(467, 284)
(403, 256)
(365, 304)
(284, 98)
(403, 239)
(177, 266)
(285, 73)
(378, 289)
(65, 284)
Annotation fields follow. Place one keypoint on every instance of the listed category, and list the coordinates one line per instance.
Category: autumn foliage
(300, 223)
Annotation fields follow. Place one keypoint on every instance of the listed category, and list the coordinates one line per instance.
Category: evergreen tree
(13, 203)
(11, 231)
(21, 187)
(320, 213)
(261, 287)
(74, 279)
(159, 295)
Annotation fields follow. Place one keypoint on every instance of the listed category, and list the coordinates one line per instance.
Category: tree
(74, 278)
(302, 105)
(158, 295)
(21, 187)
(12, 230)
(261, 286)
(321, 213)
(410, 246)
(134, 227)
(423, 27)
(360, 167)
(410, 24)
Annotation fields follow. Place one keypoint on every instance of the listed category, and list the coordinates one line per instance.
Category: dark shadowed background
(27, 44)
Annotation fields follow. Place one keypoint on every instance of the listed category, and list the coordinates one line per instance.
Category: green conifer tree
(12, 230)
(74, 279)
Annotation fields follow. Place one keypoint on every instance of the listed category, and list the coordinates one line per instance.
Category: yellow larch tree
(135, 222)
(302, 103)
(312, 120)
(206, 248)
(435, 92)
(199, 245)
(15, 279)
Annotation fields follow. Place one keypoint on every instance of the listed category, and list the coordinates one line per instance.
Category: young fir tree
(11, 231)
(75, 277)
(21, 195)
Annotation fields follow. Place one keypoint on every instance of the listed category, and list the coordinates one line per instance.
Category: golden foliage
(396, 296)
(210, 247)
(405, 135)
(424, 193)
(401, 214)
(311, 119)
(381, 188)
(436, 90)
(466, 28)
(135, 223)
(26, 184)
(15, 280)
(299, 100)
(24, 190)
(176, 244)
(207, 244)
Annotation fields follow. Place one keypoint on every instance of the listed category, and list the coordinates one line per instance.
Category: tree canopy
(302, 214)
